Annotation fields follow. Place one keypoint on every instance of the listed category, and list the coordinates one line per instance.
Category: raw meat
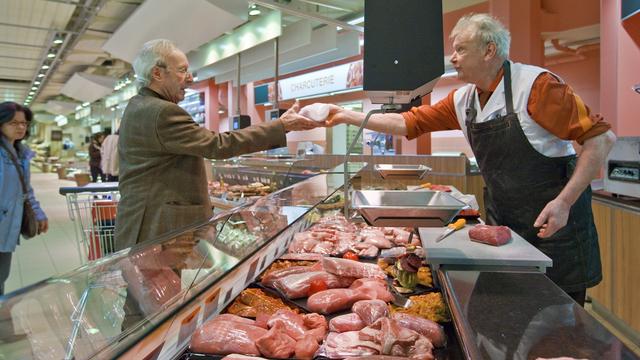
(317, 325)
(297, 285)
(226, 337)
(352, 268)
(306, 347)
(276, 343)
(366, 250)
(347, 322)
(377, 357)
(241, 357)
(333, 300)
(370, 310)
(341, 345)
(430, 329)
(270, 278)
(302, 256)
(376, 238)
(262, 319)
(292, 323)
(397, 340)
(372, 289)
(234, 318)
(491, 235)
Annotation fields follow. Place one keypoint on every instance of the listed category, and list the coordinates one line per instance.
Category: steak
(492, 235)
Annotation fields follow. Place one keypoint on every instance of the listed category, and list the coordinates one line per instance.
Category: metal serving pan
(406, 208)
(393, 170)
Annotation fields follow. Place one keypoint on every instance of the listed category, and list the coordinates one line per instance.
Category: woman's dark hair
(8, 111)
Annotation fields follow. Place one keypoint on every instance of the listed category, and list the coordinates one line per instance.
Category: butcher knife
(451, 228)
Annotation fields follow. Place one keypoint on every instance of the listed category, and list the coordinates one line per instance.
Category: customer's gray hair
(487, 29)
(153, 53)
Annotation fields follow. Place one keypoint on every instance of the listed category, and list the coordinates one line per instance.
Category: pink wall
(584, 78)
(619, 71)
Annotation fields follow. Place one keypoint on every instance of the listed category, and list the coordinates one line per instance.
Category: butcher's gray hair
(153, 53)
(487, 29)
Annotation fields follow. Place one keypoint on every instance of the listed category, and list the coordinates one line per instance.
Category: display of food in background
(284, 264)
(252, 302)
(334, 235)
(429, 306)
(334, 202)
(234, 192)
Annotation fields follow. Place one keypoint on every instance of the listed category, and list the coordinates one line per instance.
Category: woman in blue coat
(14, 123)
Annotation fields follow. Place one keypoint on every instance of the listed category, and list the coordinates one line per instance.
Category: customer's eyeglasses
(18, 123)
(181, 71)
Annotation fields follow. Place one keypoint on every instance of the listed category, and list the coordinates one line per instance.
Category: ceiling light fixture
(51, 55)
(36, 82)
(40, 75)
(58, 41)
(34, 88)
(45, 67)
(254, 11)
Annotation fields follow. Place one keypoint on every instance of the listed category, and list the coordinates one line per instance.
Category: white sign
(322, 81)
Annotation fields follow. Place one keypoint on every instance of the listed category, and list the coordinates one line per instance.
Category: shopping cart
(92, 208)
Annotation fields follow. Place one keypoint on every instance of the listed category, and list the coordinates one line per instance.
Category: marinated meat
(292, 323)
(346, 344)
(276, 343)
(226, 337)
(347, 322)
(296, 286)
(430, 329)
(491, 235)
(370, 310)
(306, 347)
(252, 302)
(352, 268)
(333, 300)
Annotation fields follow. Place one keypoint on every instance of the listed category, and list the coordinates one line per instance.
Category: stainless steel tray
(406, 208)
(393, 170)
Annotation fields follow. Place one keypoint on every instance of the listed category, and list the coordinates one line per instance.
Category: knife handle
(459, 224)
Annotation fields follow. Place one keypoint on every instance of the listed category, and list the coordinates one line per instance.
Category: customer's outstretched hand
(293, 121)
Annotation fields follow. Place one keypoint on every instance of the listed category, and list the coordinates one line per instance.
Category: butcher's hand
(552, 218)
(338, 115)
(293, 121)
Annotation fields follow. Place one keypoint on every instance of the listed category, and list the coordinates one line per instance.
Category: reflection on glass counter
(509, 315)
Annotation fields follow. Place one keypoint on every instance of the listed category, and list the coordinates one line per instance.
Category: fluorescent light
(58, 41)
(45, 67)
(356, 21)
(40, 75)
(51, 55)
(34, 88)
(32, 93)
(36, 82)
(85, 104)
(254, 12)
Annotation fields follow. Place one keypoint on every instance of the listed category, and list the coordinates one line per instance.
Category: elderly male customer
(520, 121)
(163, 183)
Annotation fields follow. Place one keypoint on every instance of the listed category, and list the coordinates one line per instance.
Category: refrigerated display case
(146, 302)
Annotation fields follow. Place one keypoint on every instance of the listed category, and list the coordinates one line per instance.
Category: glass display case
(146, 301)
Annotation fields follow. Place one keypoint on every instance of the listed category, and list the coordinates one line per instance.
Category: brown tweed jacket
(163, 183)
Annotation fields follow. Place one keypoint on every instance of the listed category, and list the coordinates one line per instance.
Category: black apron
(520, 182)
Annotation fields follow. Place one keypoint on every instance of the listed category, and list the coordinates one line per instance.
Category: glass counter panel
(510, 315)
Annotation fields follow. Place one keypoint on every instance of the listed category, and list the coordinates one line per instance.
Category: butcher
(520, 121)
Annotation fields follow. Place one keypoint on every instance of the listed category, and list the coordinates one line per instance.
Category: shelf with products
(194, 104)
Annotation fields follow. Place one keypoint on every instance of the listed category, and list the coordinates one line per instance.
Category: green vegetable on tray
(406, 272)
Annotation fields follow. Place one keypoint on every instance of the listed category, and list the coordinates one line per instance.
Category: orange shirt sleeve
(428, 118)
(555, 107)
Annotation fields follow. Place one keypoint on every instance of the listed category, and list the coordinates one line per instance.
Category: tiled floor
(52, 253)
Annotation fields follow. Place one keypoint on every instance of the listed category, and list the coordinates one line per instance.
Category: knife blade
(451, 228)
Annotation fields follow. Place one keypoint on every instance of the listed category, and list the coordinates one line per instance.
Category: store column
(523, 19)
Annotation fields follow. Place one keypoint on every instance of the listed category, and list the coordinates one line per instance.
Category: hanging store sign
(329, 80)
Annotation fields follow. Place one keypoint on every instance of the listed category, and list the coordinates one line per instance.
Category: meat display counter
(146, 301)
